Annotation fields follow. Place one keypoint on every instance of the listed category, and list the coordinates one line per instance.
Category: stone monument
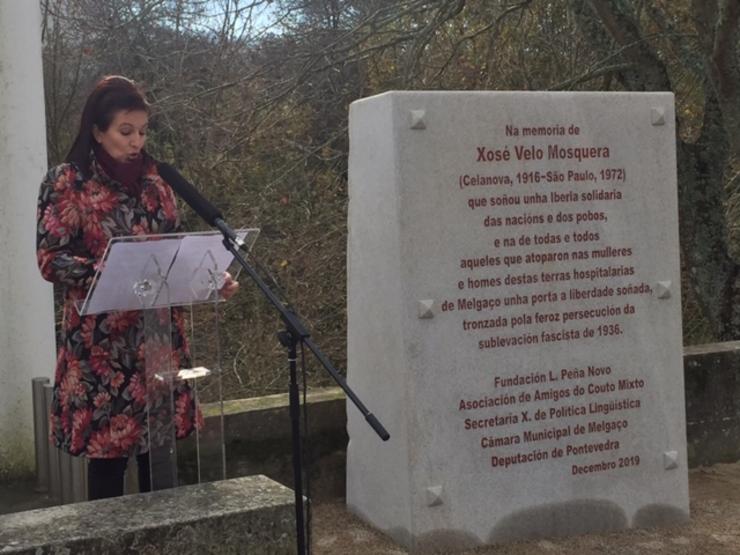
(514, 315)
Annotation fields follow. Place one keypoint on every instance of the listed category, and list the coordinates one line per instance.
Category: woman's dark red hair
(111, 94)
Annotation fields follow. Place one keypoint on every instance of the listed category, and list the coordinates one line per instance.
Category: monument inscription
(535, 360)
(550, 254)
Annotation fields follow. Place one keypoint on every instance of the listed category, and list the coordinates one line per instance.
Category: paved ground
(714, 528)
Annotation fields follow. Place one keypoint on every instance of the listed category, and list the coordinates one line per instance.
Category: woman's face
(125, 136)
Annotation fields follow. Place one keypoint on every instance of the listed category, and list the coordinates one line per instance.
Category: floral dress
(99, 405)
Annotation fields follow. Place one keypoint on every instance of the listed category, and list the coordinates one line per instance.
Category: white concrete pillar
(26, 306)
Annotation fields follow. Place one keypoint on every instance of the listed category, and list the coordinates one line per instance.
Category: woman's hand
(229, 288)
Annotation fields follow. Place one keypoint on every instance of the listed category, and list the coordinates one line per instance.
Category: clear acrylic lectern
(154, 274)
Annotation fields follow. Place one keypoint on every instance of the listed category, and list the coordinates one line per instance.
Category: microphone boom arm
(299, 331)
(232, 242)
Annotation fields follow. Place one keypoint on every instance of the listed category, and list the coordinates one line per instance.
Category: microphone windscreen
(189, 193)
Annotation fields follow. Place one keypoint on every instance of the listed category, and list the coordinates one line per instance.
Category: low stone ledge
(712, 382)
(266, 418)
(244, 515)
(258, 441)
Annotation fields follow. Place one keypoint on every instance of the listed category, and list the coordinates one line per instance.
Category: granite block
(514, 315)
(243, 515)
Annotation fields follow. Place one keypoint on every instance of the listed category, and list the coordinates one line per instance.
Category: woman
(107, 187)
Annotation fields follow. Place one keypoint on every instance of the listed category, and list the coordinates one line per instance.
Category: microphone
(196, 201)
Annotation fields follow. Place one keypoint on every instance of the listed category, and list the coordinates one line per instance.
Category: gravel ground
(714, 528)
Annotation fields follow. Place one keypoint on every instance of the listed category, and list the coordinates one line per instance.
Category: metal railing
(63, 476)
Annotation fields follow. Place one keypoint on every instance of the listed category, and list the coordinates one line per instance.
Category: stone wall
(259, 440)
(712, 380)
(244, 515)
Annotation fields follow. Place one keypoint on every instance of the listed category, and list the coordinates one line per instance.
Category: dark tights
(105, 476)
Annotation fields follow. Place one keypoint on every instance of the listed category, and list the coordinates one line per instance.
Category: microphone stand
(294, 334)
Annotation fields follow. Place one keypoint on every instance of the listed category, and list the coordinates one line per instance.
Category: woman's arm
(61, 255)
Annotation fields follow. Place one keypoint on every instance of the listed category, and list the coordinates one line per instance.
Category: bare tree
(251, 100)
